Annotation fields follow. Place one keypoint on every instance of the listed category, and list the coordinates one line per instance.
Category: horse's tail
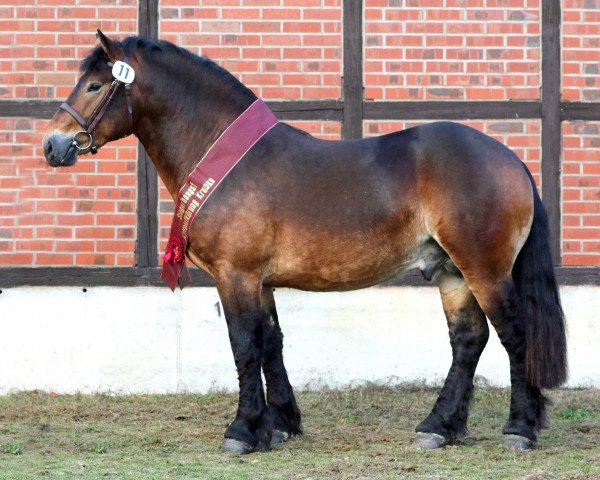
(533, 274)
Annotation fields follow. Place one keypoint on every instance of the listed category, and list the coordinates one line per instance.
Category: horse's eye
(94, 87)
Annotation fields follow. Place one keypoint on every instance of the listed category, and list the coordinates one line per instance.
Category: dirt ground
(353, 434)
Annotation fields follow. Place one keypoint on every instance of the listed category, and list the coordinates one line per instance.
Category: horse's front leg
(240, 295)
(282, 407)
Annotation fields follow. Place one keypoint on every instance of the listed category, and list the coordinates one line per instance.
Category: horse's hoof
(237, 447)
(429, 441)
(517, 442)
(279, 437)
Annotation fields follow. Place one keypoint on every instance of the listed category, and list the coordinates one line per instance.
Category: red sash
(219, 160)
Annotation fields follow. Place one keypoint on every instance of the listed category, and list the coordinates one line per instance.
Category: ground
(354, 434)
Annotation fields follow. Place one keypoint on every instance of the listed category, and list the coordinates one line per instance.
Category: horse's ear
(113, 50)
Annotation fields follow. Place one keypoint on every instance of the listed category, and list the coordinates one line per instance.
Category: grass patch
(100, 447)
(14, 448)
(350, 434)
(571, 413)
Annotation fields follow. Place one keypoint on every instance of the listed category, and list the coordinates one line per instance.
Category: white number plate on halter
(123, 72)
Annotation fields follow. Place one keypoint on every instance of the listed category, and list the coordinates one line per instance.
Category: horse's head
(97, 111)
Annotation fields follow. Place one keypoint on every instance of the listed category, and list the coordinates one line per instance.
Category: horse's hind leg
(469, 333)
(500, 301)
(281, 403)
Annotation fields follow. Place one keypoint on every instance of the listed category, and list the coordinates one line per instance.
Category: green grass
(354, 434)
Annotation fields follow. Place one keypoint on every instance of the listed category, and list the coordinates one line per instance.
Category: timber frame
(351, 111)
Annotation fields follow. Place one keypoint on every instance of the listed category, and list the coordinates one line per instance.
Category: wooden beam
(12, 277)
(285, 109)
(353, 69)
(373, 110)
(307, 109)
(148, 18)
(580, 111)
(450, 110)
(42, 109)
(551, 117)
(146, 251)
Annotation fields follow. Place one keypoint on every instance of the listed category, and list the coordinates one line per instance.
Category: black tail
(534, 277)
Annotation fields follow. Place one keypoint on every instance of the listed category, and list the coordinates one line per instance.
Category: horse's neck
(177, 132)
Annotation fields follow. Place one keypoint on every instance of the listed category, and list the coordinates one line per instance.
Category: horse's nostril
(49, 146)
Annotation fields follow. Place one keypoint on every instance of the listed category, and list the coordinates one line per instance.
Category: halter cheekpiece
(123, 74)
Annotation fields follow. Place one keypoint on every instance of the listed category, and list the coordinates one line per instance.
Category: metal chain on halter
(99, 111)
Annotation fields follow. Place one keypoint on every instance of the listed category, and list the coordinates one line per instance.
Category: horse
(333, 215)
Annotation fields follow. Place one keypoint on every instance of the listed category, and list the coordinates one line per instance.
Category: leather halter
(89, 125)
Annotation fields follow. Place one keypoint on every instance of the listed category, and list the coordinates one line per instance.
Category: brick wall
(581, 50)
(42, 41)
(279, 48)
(284, 49)
(452, 49)
(581, 193)
(581, 140)
(84, 215)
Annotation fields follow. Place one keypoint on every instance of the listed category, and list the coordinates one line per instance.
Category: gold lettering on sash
(188, 215)
(184, 199)
(205, 188)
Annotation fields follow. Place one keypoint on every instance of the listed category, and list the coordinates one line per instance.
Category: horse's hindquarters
(477, 199)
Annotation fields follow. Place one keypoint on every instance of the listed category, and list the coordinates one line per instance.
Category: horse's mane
(204, 66)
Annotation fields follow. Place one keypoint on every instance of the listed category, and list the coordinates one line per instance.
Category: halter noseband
(88, 126)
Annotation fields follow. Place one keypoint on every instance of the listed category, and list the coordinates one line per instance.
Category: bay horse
(320, 215)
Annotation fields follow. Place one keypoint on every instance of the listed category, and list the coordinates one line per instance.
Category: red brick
(94, 232)
(16, 258)
(240, 13)
(285, 14)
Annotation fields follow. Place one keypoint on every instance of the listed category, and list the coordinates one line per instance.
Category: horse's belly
(348, 267)
(317, 283)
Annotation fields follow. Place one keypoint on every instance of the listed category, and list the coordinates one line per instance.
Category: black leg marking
(468, 336)
(245, 335)
(527, 405)
(240, 296)
(282, 407)
(257, 342)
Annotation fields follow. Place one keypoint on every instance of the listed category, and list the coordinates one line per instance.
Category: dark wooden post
(551, 118)
(353, 69)
(146, 251)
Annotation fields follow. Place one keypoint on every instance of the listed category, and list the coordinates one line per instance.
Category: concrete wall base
(142, 340)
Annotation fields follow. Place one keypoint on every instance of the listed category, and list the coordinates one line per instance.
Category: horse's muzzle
(59, 150)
